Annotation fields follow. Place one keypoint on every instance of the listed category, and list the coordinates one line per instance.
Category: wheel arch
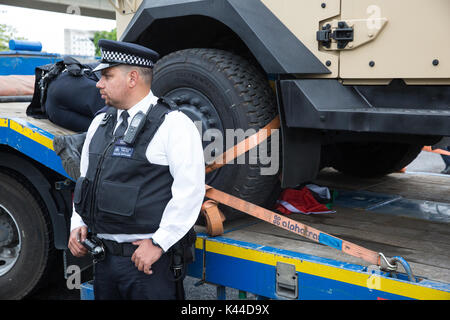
(36, 178)
(233, 25)
(213, 35)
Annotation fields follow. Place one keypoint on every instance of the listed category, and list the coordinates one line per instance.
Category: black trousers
(117, 278)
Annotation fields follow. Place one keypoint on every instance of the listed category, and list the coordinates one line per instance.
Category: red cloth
(300, 201)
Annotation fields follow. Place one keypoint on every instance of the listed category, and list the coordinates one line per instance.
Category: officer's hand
(77, 236)
(146, 255)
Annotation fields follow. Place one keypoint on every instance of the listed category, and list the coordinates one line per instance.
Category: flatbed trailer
(401, 214)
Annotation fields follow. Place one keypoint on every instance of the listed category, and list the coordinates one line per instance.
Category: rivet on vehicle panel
(328, 63)
(371, 63)
(435, 62)
(323, 5)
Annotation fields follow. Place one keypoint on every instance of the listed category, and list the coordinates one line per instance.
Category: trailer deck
(424, 244)
(403, 214)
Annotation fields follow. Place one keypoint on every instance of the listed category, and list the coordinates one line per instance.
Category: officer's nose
(99, 84)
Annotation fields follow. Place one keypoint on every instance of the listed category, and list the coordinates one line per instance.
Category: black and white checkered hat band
(119, 57)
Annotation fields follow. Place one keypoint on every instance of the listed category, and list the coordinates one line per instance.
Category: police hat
(118, 52)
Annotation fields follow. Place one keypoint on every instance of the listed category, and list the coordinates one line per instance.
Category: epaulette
(102, 110)
(109, 113)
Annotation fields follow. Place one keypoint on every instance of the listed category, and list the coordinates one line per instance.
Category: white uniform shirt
(176, 143)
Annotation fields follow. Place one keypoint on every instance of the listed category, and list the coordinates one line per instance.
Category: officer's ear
(133, 78)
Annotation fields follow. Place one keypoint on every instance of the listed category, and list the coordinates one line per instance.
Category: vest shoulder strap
(156, 117)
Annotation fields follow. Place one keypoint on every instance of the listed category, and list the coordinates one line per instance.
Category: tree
(7, 33)
(110, 35)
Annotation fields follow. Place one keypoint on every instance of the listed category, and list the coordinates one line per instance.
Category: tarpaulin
(16, 85)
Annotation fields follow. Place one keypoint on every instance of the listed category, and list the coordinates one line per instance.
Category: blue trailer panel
(31, 141)
(251, 267)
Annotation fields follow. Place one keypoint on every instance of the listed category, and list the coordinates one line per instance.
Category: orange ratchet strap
(215, 217)
(245, 145)
(293, 226)
(439, 151)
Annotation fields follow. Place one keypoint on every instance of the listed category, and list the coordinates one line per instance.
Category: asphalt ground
(426, 162)
(193, 288)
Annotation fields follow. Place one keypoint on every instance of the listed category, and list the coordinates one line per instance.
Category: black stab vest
(122, 192)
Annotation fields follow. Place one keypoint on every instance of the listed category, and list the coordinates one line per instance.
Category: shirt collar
(142, 105)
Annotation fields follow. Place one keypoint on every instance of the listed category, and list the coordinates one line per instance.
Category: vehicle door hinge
(347, 35)
(343, 34)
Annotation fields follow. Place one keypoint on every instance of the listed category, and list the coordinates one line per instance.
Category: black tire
(224, 91)
(29, 225)
(373, 159)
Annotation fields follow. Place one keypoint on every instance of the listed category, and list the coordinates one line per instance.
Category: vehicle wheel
(25, 248)
(373, 159)
(222, 91)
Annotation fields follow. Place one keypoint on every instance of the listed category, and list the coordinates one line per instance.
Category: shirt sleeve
(181, 143)
(76, 220)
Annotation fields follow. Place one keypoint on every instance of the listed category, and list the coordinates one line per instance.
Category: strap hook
(392, 265)
(389, 266)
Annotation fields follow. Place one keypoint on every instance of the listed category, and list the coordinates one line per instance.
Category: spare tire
(222, 91)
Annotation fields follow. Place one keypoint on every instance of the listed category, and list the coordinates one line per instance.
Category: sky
(48, 27)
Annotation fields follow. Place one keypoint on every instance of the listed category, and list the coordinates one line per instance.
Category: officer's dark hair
(145, 73)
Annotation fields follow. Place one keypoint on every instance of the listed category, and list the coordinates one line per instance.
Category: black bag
(65, 93)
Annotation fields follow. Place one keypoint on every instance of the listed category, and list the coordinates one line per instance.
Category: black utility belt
(124, 249)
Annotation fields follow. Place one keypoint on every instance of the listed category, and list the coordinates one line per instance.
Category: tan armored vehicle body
(403, 38)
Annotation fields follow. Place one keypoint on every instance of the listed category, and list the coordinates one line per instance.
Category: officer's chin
(107, 101)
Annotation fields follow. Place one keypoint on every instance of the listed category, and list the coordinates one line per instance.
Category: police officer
(142, 179)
